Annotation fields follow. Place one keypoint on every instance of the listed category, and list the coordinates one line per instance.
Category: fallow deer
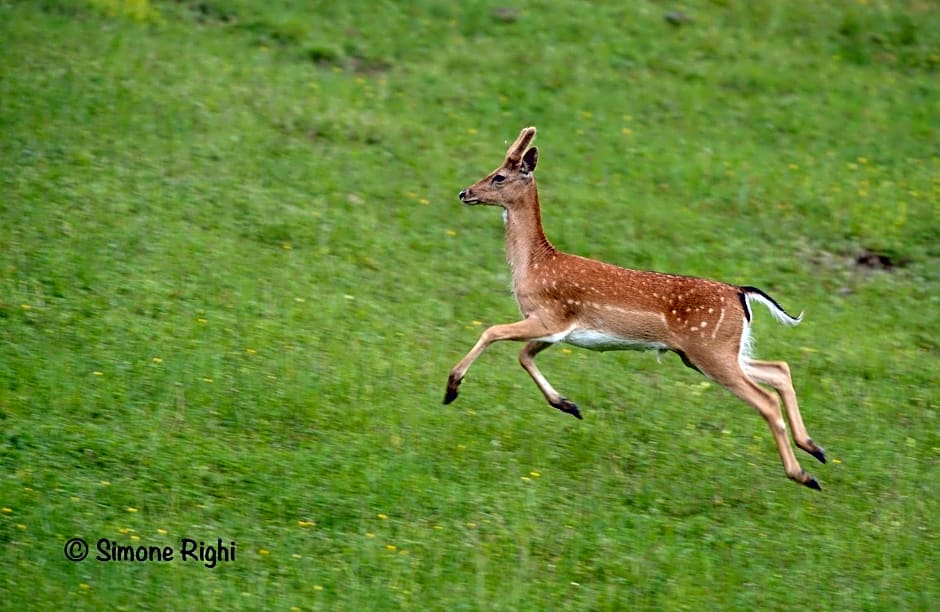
(598, 306)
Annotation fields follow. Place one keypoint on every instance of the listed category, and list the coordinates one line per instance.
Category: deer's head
(512, 181)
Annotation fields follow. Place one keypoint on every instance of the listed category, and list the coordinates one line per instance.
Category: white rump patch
(746, 350)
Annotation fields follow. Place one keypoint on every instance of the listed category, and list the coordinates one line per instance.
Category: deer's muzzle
(467, 197)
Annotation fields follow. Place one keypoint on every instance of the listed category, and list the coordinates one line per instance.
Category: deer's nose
(463, 194)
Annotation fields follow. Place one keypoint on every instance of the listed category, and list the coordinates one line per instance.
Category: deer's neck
(526, 243)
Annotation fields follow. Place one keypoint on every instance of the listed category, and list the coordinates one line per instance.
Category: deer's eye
(499, 178)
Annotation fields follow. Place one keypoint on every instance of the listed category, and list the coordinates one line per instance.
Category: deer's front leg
(555, 399)
(528, 329)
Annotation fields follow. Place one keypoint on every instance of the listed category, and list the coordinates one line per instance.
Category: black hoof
(569, 407)
(452, 384)
(817, 452)
(812, 484)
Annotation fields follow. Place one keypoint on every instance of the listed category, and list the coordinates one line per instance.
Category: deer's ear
(530, 159)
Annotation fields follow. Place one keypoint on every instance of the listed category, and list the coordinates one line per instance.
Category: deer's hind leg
(777, 375)
(725, 369)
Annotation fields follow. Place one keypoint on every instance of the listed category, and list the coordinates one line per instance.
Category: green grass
(234, 275)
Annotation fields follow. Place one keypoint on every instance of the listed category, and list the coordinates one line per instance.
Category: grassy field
(234, 275)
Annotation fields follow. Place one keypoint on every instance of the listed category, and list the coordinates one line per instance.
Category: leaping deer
(598, 306)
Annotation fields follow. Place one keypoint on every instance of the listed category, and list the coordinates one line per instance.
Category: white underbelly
(604, 341)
